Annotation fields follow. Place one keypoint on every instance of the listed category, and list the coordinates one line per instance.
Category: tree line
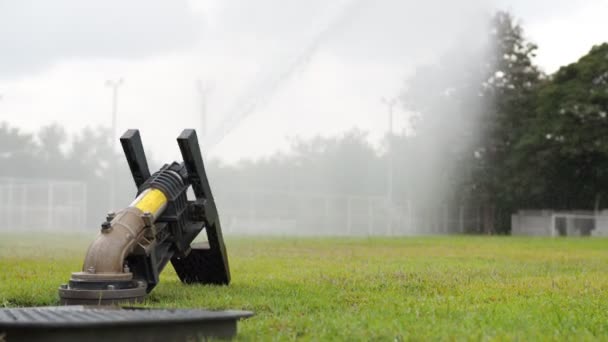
(535, 141)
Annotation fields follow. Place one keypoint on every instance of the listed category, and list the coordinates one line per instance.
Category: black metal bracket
(204, 264)
(208, 263)
(134, 152)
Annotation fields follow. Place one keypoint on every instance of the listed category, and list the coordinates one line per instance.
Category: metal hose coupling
(105, 277)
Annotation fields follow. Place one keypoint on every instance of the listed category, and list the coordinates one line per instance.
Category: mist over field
(349, 117)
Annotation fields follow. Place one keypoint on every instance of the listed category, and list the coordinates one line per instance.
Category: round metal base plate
(76, 296)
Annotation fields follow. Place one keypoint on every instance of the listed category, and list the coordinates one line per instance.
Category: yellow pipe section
(151, 201)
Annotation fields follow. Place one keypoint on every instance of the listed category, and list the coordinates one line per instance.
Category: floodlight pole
(390, 104)
(114, 85)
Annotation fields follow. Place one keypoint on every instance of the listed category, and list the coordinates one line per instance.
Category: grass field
(446, 288)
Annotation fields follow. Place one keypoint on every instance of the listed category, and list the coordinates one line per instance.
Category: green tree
(473, 105)
(565, 145)
(17, 152)
(345, 165)
(444, 98)
(509, 92)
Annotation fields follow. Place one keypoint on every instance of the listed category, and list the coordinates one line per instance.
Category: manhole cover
(90, 323)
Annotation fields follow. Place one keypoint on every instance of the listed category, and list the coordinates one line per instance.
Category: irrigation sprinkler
(124, 262)
(134, 245)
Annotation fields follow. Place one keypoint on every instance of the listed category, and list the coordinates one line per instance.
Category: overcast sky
(296, 67)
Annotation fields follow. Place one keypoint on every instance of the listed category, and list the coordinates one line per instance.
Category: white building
(559, 223)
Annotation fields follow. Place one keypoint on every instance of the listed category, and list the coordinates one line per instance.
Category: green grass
(440, 288)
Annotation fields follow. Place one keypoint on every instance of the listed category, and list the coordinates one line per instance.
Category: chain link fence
(300, 214)
(39, 205)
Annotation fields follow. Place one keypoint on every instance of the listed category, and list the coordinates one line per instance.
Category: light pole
(114, 85)
(390, 104)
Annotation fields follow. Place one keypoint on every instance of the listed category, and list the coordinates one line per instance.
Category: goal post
(573, 224)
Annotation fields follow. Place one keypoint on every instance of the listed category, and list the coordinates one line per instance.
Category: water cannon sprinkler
(124, 262)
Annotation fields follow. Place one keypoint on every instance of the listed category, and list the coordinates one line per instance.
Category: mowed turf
(446, 288)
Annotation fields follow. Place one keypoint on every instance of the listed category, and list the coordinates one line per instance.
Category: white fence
(296, 213)
(28, 205)
(277, 213)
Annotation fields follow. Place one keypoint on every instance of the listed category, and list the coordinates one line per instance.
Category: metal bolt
(91, 269)
(111, 287)
(126, 269)
(147, 218)
(106, 226)
(110, 216)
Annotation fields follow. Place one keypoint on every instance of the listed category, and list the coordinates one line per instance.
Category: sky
(270, 70)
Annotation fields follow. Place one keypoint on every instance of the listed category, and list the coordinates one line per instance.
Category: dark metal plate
(93, 323)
